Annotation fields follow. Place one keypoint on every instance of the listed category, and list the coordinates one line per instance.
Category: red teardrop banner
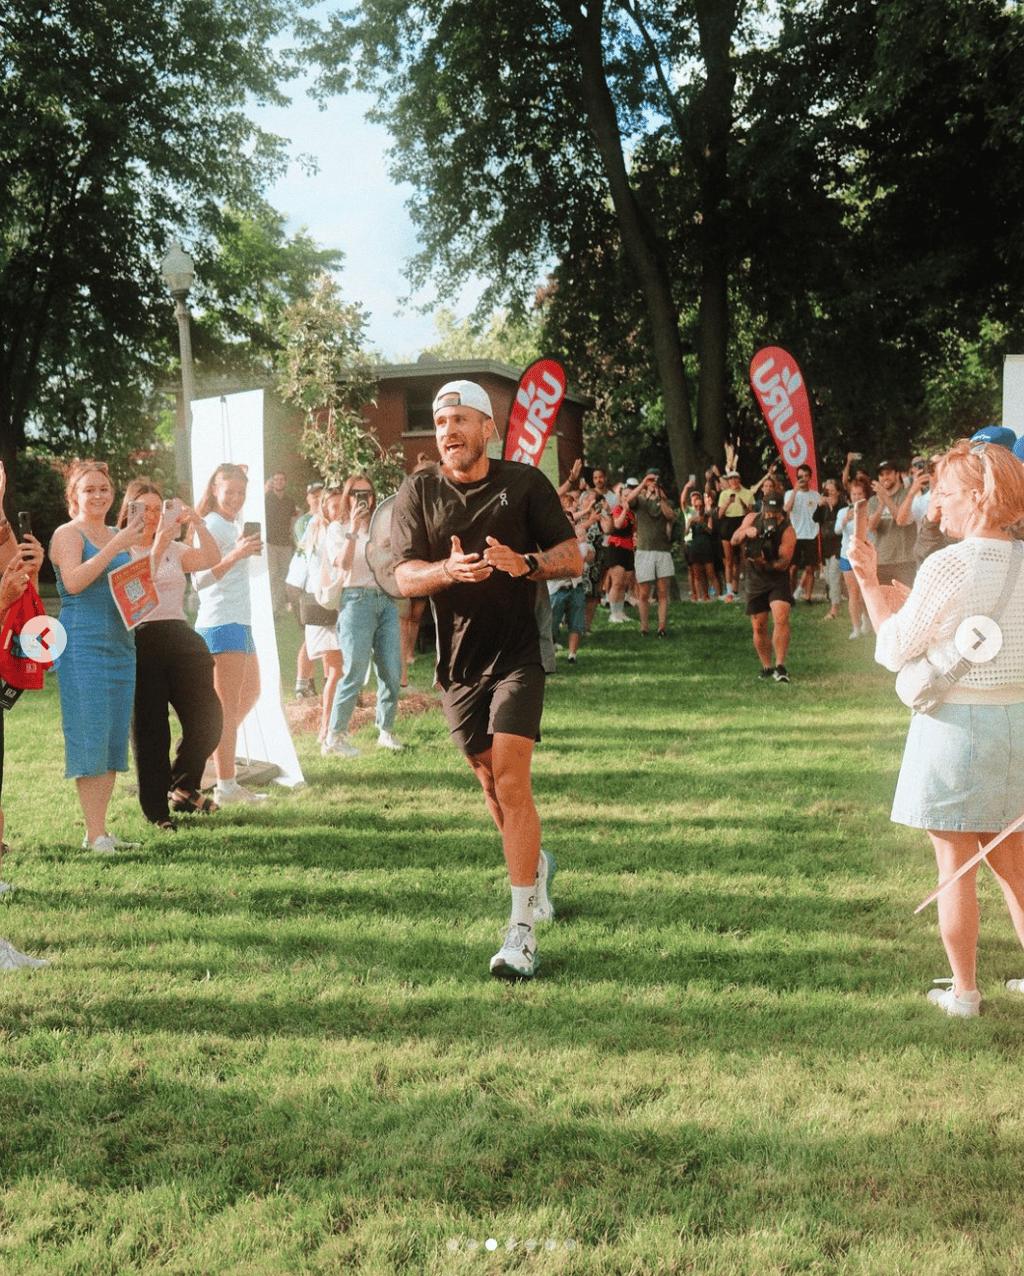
(534, 409)
(780, 390)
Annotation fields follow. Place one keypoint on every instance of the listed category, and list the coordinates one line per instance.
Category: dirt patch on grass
(304, 715)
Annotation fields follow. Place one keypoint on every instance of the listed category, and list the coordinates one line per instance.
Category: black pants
(173, 667)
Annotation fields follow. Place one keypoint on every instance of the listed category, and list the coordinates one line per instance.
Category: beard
(468, 454)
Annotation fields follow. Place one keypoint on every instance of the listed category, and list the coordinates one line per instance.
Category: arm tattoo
(559, 563)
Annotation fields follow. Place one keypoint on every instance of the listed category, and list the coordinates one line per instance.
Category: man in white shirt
(800, 504)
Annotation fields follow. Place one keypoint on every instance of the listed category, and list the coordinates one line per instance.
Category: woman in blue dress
(96, 673)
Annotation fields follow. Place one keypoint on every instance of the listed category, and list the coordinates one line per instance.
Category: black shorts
(727, 527)
(761, 600)
(806, 554)
(700, 557)
(503, 704)
(616, 556)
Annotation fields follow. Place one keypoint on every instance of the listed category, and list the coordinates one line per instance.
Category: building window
(419, 415)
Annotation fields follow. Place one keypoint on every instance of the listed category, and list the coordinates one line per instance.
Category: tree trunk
(638, 238)
(708, 142)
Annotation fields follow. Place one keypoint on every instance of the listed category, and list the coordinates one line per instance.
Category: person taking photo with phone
(173, 666)
(368, 626)
(225, 619)
(96, 676)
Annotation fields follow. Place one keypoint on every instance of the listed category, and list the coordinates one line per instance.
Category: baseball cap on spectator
(465, 394)
(1018, 449)
(731, 474)
(314, 487)
(772, 502)
(887, 465)
(631, 482)
(1000, 434)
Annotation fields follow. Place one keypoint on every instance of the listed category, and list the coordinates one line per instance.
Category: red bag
(15, 668)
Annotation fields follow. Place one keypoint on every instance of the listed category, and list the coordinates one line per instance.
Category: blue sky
(351, 204)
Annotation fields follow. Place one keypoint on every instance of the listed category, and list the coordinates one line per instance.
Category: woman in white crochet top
(960, 778)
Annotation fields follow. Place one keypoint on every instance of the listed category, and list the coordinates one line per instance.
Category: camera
(24, 524)
(251, 529)
(136, 509)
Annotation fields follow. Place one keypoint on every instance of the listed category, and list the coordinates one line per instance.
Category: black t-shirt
(488, 627)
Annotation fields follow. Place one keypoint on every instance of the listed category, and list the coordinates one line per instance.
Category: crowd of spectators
(638, 540)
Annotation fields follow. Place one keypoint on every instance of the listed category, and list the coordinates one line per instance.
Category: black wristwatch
(531, 564)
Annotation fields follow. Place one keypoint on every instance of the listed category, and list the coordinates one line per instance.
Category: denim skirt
(962, 768)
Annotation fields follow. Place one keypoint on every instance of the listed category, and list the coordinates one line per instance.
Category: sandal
(194, 803)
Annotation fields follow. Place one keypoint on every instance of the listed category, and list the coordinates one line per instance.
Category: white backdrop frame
(230, 428)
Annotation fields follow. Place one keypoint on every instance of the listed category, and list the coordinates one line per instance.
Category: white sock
(522, 905)
(616, 609)
(228, 786)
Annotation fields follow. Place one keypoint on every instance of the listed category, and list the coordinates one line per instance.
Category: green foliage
(120, 127)
(249, 274)
(324, 371)
(515, 342)
(839, 178)
(506, 155)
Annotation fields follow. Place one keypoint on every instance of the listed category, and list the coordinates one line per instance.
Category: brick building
(402, 417)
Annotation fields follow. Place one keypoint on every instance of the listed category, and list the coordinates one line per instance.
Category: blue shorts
(222, 638)
(569, 605)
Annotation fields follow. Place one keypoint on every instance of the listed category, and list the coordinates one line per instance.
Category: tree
(120, 126)
(505, 340)
(250, 274)
(513, 123)
(709, 176)
(918, 112)
(324, 371)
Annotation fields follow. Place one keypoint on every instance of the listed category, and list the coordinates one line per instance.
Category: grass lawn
(269, 1044)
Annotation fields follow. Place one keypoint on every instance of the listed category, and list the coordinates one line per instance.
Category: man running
(475, 534)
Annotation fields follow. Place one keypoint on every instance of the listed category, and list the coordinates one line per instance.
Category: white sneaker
(966, 1006)
(867, 629)
(107, 844)
(1015, 985)
(854, 633)
(11, 959)
(798, 593)
(517, 957)
(236, 794)
(543, 909)
(338, 749)
(387, 741)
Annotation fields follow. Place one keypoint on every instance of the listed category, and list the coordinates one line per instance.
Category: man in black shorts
(770, 541)
(474, 535)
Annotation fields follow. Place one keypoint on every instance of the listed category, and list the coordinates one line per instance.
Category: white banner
(1013, 393)
(230, 428)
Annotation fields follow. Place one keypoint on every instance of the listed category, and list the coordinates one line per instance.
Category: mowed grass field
(269, 1043)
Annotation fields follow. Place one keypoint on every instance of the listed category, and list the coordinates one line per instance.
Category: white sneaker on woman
(234, 793)
(965, 1006)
